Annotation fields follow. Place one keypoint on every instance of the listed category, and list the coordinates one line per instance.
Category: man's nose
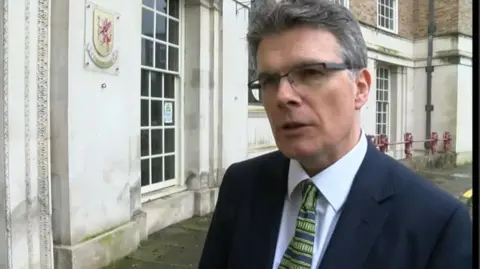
(286, 94)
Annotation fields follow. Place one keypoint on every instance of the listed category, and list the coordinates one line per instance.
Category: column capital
(211, 4)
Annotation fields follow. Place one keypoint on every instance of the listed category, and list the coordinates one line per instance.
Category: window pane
(147, 22)
(379, 73)
(157, 139)
(156, 84)
(169, 140)
(161, 28)
(173, 32)
(147, 52)
(169, 86)
(144, 83)
(144, 113)
(149, 3)
(162, 6)
(160, 55)
(144, 142)
(385, 107)
(169, 167)
(157, 170)
(385, 96)
(172, 58)
(156, 113)
(145, 167)
(173, 8)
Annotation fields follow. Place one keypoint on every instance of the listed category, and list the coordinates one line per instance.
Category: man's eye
(310, 72)
(268, 82)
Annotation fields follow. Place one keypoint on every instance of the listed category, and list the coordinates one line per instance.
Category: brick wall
(465, 16)
(365, 11)
(406, 18)
(452, 16)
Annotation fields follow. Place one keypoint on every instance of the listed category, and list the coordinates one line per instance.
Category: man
(328, 198)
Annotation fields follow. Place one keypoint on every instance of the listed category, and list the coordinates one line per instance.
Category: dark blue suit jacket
(392, 219)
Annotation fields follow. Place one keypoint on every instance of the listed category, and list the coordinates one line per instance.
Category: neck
(332, 154)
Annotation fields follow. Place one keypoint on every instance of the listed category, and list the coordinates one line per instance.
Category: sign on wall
(101, 49)
(168, 112)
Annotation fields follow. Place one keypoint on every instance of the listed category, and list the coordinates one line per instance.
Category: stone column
(25, 216)
(397, 110)
(202, 101)
(234, 82)
(368, 111)
(95, 137)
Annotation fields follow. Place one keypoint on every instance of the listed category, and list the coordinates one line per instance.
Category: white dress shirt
(334, 184)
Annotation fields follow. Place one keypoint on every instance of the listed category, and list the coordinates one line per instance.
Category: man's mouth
(293, 125)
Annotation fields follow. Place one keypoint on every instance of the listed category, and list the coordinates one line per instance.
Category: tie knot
(309, 193)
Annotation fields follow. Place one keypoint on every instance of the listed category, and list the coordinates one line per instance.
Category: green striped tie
(299, 253)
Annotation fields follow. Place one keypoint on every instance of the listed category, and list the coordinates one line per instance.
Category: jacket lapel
(267, 211)
(363, 216)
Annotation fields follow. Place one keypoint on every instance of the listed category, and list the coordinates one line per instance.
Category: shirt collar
(336, 180)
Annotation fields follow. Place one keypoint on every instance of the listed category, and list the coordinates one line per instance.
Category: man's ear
(363, 83)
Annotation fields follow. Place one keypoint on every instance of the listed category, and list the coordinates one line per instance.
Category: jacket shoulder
(247, 172)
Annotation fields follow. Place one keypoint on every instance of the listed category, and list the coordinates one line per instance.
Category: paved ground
(179, 246)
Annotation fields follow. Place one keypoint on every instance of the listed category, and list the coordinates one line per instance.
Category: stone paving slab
(179, 246)
(176, 247)
(456, 180)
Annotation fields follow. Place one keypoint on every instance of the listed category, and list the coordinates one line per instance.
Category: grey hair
(273, 17)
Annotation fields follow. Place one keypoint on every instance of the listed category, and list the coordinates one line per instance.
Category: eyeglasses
(300, 78)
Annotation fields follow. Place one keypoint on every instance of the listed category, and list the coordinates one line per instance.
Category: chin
(297, 150)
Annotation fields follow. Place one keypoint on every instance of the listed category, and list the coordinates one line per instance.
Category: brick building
(396, 33)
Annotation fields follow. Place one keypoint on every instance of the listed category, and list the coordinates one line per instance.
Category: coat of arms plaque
(101, 48)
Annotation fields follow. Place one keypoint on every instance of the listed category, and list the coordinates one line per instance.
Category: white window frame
(395, 17)
(346, 3)
(383, 101)
(153, 189)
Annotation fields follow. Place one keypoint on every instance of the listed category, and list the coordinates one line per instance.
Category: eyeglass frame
(328, 66)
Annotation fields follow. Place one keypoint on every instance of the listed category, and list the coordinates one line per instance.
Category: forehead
(282, 51)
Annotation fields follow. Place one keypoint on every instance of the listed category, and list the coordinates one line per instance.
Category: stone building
(119, 120)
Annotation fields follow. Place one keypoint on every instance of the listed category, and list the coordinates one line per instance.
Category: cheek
(332, 108)
(328, 105)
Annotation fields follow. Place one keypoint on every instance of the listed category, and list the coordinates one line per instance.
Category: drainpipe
(429, 70)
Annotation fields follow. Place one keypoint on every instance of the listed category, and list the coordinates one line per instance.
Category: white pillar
(95, 137)
(25, 229)
(202, 95)
(368, 111)
(234, 83)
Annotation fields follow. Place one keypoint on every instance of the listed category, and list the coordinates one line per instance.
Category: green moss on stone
(387, 50)
(90, 237)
